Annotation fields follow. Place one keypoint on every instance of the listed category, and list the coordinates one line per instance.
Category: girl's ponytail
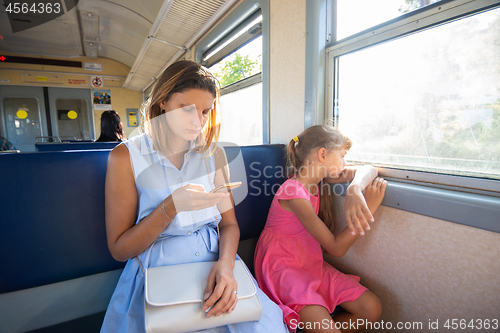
(294, 161)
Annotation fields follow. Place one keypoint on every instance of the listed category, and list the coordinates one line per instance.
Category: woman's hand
(221, 291)
(356, 210)
(193, 197)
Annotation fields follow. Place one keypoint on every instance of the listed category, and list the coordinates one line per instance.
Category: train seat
(53, 237)
(73, 145)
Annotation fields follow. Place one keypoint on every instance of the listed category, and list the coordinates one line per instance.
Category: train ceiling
(145, 35)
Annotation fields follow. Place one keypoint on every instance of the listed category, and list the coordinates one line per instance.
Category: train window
(428, 101)
(242, 122)
(71, 119)
(369, 13)
(22, 119)
(240, 64)
(244, 33)
(234, 51)
(240, 79)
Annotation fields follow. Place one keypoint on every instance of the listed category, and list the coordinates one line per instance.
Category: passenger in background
(159, 210)
(289, 261)
(6, 144)
(111, 127)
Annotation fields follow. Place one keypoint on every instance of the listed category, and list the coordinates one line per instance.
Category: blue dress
(190, 237)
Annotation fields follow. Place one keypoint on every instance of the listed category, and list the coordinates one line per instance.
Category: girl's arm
(356, 211)
(221, 283)
(125, 238)
(335, 245)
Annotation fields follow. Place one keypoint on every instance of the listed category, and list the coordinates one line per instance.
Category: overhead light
(90, 33)
(90, 25)
(90, 50)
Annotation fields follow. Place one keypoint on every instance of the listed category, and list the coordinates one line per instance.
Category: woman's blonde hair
(177, 78)
(312, 139)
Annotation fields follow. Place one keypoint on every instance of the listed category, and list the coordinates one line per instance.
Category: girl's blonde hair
(177, 78)
(312, 139)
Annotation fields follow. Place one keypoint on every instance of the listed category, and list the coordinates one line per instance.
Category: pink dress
(289, 263)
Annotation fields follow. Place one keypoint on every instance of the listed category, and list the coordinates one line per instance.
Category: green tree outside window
(236, 69)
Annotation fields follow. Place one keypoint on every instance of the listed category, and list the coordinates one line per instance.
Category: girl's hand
(220, 293)
(193, 197)
(357, 213)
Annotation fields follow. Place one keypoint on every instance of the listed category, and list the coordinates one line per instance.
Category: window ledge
(474, 210)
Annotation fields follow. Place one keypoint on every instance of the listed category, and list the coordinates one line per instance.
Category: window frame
(416, 21)
(253, 33)
(470, 201)
(237, 18)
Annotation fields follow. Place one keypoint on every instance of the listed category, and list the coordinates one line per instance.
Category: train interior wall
(113, 74)
(424, 269)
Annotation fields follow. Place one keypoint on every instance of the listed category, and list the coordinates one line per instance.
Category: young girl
(159, 210)
(289, 261)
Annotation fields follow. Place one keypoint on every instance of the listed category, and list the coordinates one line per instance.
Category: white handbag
(174, 297)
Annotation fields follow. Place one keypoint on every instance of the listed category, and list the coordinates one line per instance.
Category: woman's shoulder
(127, 148)
(120, 152)
(137, 139)
(119, 161)
(138, 145)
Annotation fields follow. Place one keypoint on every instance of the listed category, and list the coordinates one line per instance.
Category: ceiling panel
(120, 32)
(59, 37)
(181, 22)
(123, 26)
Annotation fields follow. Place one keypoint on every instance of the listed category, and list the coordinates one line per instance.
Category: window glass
(429, 101)
(241, 64)
(23, 122)
(241, 110)
(241, 116)
(354, 16)
(72, 119)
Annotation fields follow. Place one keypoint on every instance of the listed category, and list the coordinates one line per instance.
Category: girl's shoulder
(292, 189)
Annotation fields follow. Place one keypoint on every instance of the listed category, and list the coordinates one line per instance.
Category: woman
(158, 208)
(111, 127)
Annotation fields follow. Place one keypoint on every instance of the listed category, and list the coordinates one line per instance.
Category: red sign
(96, 81)
(78, 81)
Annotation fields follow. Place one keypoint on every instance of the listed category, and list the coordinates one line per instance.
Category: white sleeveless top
(156, 178)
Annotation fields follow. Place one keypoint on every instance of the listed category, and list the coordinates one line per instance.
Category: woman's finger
(219, 298)
(195, 187)
(234, 304)
(226, 302)
(204, 200)
(231, 303)
(209, 290)
(187, 199)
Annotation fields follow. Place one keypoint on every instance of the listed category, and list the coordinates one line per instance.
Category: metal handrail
(52, 138)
